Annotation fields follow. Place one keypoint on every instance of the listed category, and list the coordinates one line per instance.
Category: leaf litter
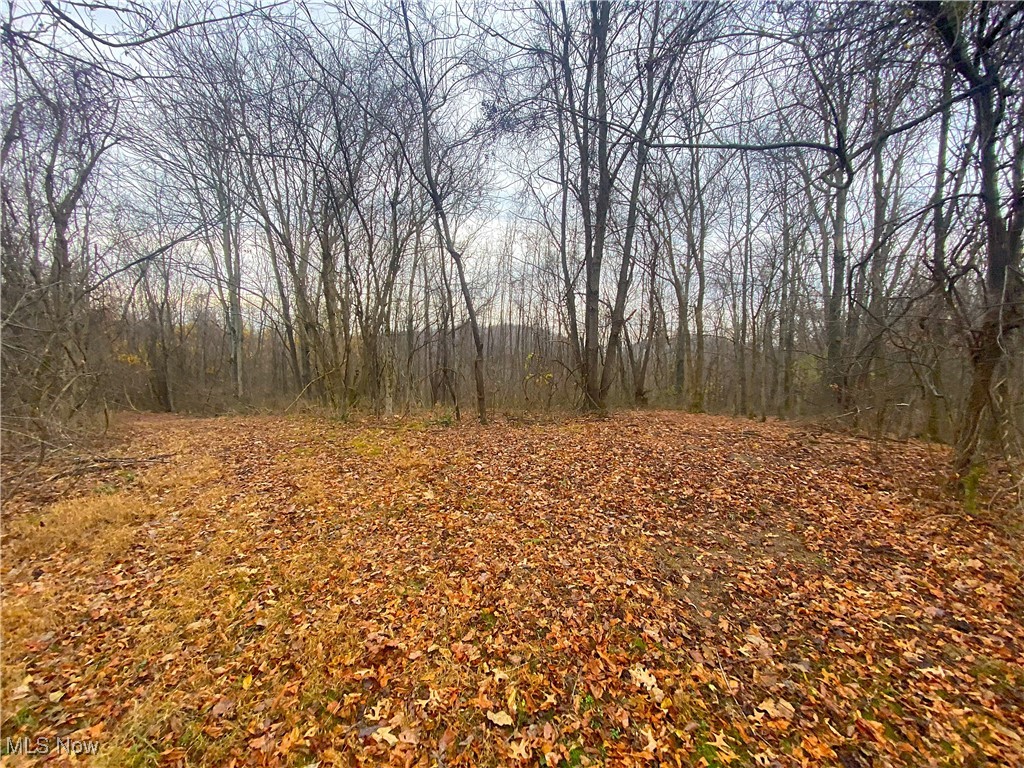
(651, 588)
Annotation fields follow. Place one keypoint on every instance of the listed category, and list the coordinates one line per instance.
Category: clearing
(649, 588)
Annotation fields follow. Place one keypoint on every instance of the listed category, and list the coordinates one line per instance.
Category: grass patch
(98, 525)
(369, 444)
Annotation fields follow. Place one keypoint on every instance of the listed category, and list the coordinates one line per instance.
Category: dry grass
(96, 526)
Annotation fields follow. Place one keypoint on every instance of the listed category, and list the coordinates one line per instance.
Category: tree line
(776, 208)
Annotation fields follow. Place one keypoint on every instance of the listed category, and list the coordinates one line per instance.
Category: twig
(100, 464)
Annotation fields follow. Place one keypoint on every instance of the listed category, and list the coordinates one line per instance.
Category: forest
(775, 209)
(512, 382)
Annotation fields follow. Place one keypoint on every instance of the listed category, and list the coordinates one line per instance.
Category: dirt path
(647, 588)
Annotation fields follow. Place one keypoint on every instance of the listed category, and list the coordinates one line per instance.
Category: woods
(562, 383)
(778, 209)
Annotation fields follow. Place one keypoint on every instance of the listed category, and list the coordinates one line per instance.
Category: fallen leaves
(579, 592)
(223, 708)
(649, 682)
(500, 718)
(777, 708)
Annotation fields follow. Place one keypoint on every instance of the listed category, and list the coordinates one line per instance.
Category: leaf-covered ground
(647, 589)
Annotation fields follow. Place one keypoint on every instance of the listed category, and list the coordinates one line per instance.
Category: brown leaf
(500, 718)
